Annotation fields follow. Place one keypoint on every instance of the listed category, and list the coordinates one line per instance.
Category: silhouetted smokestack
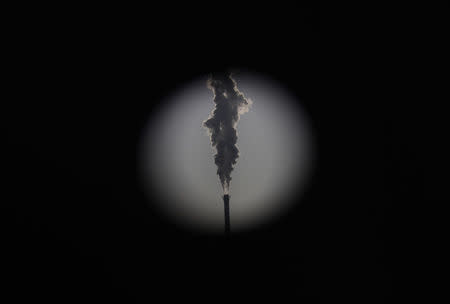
(226, 202)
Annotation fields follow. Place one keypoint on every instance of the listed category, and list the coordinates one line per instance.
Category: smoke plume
(230, 103)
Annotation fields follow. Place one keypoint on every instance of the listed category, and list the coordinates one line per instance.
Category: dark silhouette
(226, 202)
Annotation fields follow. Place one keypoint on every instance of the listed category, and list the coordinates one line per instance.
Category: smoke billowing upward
(222, 123)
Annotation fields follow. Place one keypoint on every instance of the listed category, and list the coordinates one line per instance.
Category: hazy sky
(275, 144)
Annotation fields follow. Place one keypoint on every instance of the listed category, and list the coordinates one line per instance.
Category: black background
(77, 228)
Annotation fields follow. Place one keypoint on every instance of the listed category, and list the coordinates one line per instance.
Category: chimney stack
(226, 201)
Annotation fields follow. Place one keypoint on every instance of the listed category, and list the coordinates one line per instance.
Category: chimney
(226, 202)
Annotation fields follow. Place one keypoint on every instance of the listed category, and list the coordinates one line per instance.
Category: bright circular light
(276, 157)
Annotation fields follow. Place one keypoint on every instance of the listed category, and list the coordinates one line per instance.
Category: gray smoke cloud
(230, 103)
